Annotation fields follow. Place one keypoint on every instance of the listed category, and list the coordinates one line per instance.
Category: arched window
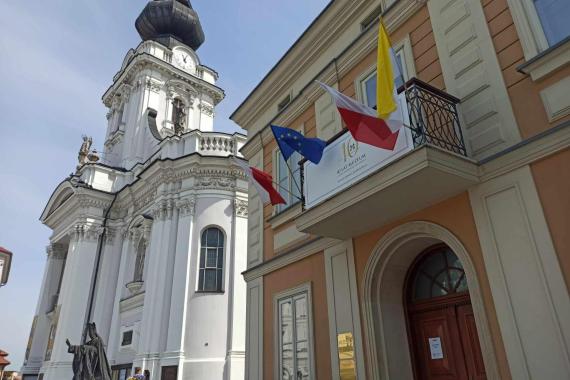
(178, 116)
(139, 262)
(211, 260)
(438, 273)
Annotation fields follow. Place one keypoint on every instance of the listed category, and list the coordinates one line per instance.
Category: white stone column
(74, 298)
(39, 335)
(180, 286)
(157, 301)
(235, 359)
(115, 330)
(107, 283)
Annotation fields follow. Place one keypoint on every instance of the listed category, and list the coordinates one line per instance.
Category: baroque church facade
(149, 238)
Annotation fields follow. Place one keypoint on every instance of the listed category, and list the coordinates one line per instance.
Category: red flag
(263, 183)
(363, 122)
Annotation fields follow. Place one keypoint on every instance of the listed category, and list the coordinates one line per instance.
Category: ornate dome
(162, 19)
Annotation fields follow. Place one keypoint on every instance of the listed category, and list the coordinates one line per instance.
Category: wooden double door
(442, 330)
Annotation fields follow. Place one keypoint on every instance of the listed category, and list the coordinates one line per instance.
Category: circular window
(438, 273)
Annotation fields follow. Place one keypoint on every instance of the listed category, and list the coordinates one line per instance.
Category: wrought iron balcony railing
(433, 117)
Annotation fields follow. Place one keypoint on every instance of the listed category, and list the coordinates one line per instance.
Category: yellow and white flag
(387, 72)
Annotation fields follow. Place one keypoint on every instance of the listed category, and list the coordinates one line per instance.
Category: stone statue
(179, 117)
(89, 359)
(84, 151)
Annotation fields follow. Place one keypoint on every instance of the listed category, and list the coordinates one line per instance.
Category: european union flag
(290, 141)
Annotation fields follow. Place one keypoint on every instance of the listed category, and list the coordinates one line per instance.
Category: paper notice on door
(435, 348)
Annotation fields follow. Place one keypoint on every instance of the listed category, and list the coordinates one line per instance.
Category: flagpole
(288, 167)
(293, 177)
(286, 190)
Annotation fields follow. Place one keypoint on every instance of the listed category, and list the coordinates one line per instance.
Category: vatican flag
(387, 71)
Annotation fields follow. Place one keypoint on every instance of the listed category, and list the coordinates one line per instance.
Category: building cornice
(302, 55)
(363, 45)
(286, 258)
(143, 60)
(308, 48)
(526, 152)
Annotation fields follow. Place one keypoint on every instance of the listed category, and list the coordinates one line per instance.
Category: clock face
(184, 61)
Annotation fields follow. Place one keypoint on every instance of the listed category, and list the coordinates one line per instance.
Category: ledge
(285, 216)
(548, 61)
(415, 181)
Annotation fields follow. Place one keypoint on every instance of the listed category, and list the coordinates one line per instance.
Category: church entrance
(441, 325)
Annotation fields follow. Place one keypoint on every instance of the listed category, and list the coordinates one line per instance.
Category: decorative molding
(86, 201)
(288, 257)
(531, 150)
(186, 206)
(164, 209)
(143, 60)
(330, 25)
(206, 109)
(86, 231)
(110, 234)
(153, 85)
(548, 61)
(132, 303)
(56, 251)
(216, 183)
(556, 100)
(240, 208)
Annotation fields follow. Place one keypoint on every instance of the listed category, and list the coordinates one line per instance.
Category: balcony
(357, 188)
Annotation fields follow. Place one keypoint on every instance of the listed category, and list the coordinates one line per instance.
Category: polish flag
(263, 183)
(363, 121)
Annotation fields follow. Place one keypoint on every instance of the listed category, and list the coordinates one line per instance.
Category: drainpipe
(96, 269)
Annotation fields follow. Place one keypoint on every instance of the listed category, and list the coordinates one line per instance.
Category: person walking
(138, 375)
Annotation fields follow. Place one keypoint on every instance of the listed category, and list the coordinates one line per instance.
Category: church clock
(183, 61)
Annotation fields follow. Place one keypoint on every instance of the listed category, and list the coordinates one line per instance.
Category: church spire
(163, 20)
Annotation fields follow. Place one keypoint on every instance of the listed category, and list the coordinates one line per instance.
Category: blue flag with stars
(290, 141)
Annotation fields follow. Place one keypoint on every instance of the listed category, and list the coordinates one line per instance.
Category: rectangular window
(554, 15)
(289, 186)
(369, 83)
(294, 337)
(127, 338)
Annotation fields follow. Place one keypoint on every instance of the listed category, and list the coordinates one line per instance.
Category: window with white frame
(294, 337)
(211, 261)
(554, 16)
(289, 180)
(368, 84)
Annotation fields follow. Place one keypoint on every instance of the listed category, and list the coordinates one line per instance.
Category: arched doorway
(444, 343)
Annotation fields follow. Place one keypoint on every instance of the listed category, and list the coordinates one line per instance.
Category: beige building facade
(448, 259)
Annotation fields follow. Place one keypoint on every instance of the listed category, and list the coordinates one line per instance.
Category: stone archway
(384, 317)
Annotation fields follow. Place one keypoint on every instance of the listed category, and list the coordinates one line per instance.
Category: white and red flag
(379, 127)
(263, 183)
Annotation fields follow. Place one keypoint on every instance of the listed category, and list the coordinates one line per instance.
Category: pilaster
(235, 358)
(74, 296)
(184, 251)
(157, 296)
(107, 282)
(47, 300)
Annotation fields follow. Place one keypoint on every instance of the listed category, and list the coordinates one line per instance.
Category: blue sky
(57, 58)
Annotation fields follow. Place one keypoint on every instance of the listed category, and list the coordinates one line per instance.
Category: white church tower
(149, 238)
